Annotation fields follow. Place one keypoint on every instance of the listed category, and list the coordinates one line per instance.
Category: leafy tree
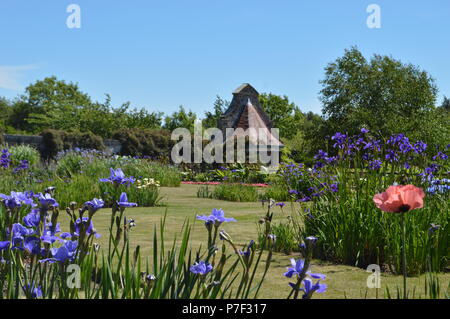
(180, 118)
(446, 104)
(211, 118)
(383, 95)
(55, 104)
(4, 112)
(286, 116)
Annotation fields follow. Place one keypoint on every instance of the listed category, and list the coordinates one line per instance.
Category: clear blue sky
(166, 53)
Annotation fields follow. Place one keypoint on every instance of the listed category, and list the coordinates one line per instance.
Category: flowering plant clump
(147, 183)
(338, 192)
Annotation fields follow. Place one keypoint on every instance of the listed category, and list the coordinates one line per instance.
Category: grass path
(182, 203)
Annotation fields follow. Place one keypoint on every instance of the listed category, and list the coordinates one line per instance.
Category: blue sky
(162, 54)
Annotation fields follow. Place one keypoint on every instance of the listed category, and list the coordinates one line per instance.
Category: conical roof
(258, 131)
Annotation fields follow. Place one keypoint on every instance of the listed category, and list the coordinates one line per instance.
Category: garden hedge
(144, 142)
(55, 141)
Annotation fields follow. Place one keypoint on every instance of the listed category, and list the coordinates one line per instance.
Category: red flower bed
(218, 183)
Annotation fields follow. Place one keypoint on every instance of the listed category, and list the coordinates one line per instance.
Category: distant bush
(144, 142)
(55, 141)
(277, 192)
(24, 152)
(236, 193)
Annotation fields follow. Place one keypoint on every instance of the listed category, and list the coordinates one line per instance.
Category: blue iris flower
(123, 201)
(49, 233)
(201, 268)
(66, 252)
(217, 217)
(4, 245)
(34, 292)
(117, 176)
(89, 228)
(17, 199)
(296, 269)
(94, 205)
(309, 287)
(46, 200)
(32, 219)
(33, 245)
(19, 232)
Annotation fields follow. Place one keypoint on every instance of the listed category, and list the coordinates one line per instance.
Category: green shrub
(236, 193)
(204, 192)
(277, 192)
(286, 238)
(55, 141)
(144, 142)
(24, 152)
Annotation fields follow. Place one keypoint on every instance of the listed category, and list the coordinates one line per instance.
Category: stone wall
(112, 146)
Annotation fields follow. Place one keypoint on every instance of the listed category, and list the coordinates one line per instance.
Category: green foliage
(56, 104)
(383, 95)
(55, 141)
(24, 152)
(285, 115)
(277, 192)
(204, 192)
(236, 193)
(180, 119)
(287, 238)
(145, 142)
(211, 118)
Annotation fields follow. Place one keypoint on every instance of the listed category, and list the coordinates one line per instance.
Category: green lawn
(182, 203)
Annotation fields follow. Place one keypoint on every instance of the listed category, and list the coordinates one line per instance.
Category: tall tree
(180, 119)
(382, 94)
(211, 118)
(286, 116)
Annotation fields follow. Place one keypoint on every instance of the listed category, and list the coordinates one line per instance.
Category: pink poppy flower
(400, 199)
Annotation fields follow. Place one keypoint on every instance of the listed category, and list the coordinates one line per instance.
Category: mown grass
(182, 203)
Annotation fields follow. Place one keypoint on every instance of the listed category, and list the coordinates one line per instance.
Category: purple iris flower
(66, 252)
(79, 223)
(94, 205)
(309, 288)
(46, 200)
(339, 139)
(5, 159)
(19, 233)
(32, 219)
(217, 217)
(334, 187)
(4, 245)
(123, 201)
(296, 269)
(17, 199)
(201, 268)
(34, 292)
(440, 155)
(117, 177)
(420, 147)
(364, 130)
(24, 165)
(280, 204)
(375, 165)
(304, 199)
(33, 245)
(49, 233)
